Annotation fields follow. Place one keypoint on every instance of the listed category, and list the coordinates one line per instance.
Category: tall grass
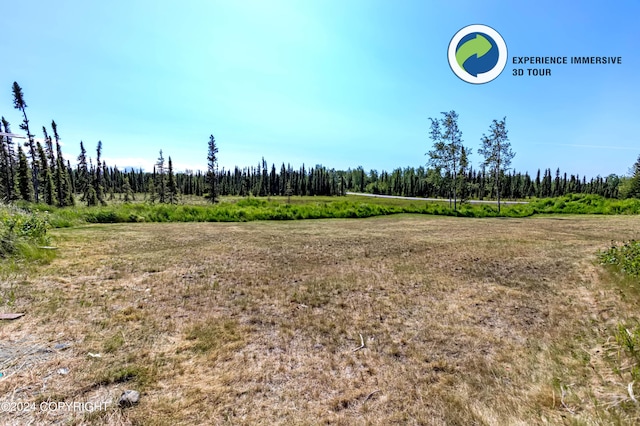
(251, 209)
(624, 351)
(23, 233)
(625, 257)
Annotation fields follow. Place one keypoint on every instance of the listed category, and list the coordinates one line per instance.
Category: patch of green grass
(586, 204)
(128, 373)
(625, 257)
(214, 335)
(277, 208)
(113, 343)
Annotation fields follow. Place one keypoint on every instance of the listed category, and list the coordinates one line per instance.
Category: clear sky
(343, 83)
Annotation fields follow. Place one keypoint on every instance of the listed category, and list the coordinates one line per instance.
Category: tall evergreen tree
(172, 187)
(546, 184)
(152, 187)
(288, 191)
(48, 146)
(212, 169)
(5, 167)
(98, 176)
(91, 196)
(126, 188)
(5, 178)
(556, 184)
(46, 180)
(25, 184)
(107, 180)
(10, 177)
(20, 104)
(161, 179)
(82, 183)
(62, 179)
(264, 179)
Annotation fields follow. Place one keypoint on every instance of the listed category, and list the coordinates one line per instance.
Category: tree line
(39, 173)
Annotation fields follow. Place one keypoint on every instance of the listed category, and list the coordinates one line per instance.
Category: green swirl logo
(477, 54)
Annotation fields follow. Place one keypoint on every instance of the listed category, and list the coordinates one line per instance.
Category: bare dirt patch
(464, 321)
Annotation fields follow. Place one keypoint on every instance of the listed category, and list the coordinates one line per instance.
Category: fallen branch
(615, 402)
(370, 395)
(11, 316)
(631, 395)
(361, 344)
(562, 401)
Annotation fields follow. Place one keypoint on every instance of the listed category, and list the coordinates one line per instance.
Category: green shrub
(625, 257)
(22, 230)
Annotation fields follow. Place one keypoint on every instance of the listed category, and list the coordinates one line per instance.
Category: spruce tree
(72, 178)
(62, 180)
(107, 179)
(48, 146)
(5, 180)
(20, 104)
(264, 180)
(126, 188)
(556, 184)
(91, 196)
(46, 180)
(82, 183)
(172, 187)
(25, 184)
(5, 170)
(47, 168)
(152, 187)
(161, 179)
(212, 166)
(546, 183)
(99, 178)
(288, 191)
(10, 177)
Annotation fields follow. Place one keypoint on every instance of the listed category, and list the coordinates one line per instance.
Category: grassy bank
(23, 233)
(277, 208)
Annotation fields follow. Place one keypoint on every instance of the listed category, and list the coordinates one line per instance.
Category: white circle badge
(477, 54)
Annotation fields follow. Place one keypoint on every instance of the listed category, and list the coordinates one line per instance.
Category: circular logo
(477, 54)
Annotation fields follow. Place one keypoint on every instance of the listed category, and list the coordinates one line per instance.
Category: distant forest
(40, 174)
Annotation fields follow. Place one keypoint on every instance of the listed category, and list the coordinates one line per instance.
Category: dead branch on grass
(631, 395)
(562, 400)
(370, 395)
(361, 344)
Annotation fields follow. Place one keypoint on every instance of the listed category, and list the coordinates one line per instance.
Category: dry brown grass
(464, 321)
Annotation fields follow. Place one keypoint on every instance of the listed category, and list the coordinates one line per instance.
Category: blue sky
(340, 83)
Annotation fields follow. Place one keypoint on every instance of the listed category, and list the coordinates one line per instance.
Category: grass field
(404, 319)
(236, 209)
